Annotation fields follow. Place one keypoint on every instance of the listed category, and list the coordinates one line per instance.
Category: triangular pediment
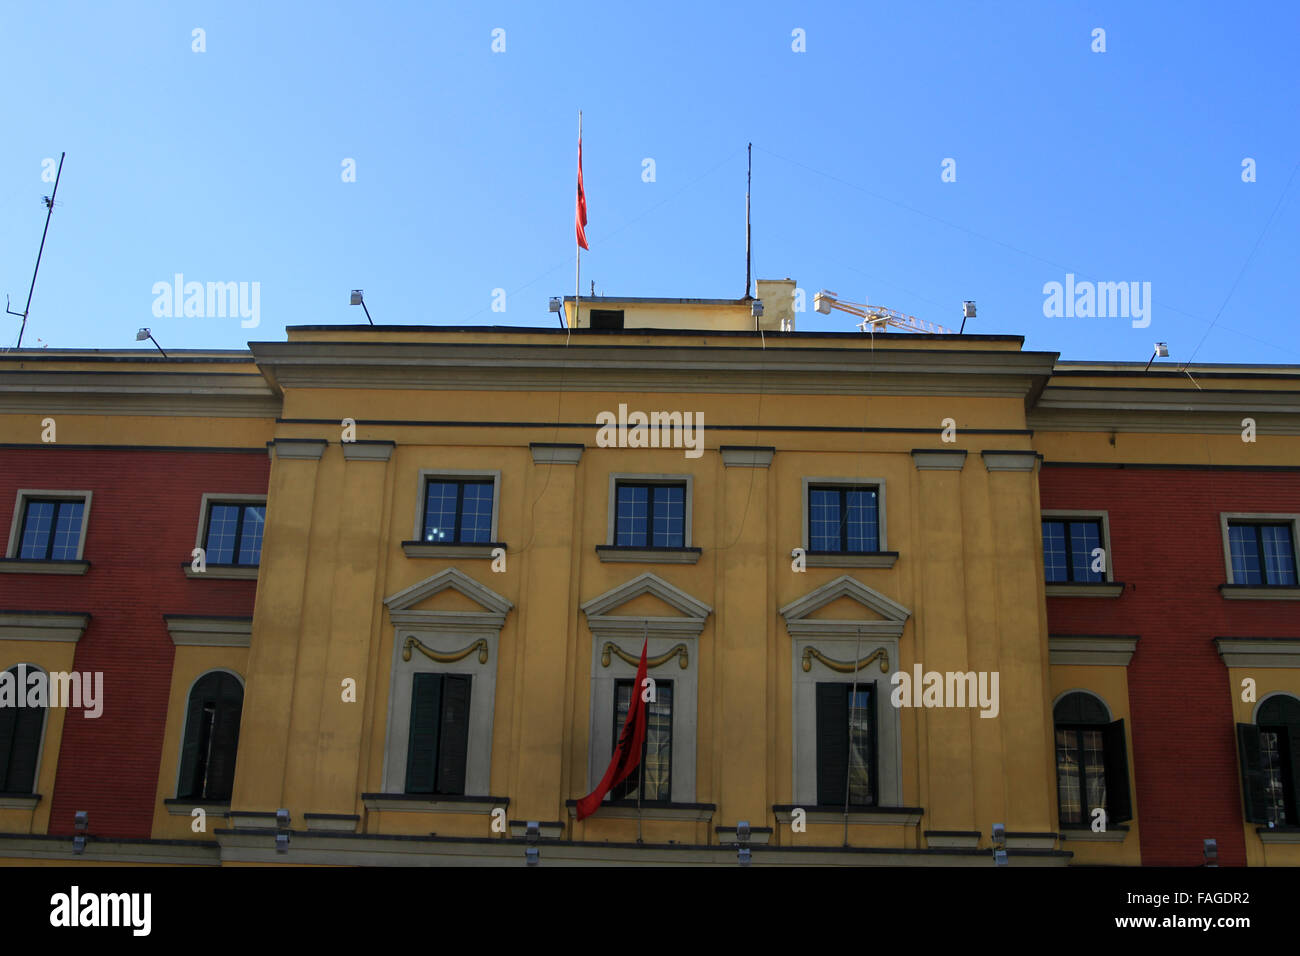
(831, 609)
(646, 604)
(475, 604)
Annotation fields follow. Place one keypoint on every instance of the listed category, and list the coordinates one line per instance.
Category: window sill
(1086, 835)
(873, 816)
(24, 566)
(432, 802)
(442, 549)
(651, 810)
(1255, 592)
(609, 552)
(184, 807)
(19, 801)
(1278, 834)
(224, 572)
(851, 559)
(1105, 589)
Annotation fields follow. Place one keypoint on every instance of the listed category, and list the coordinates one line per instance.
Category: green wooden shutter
(422, 750)
(186, 785)
(8, 725)
(26, 749)
(1253, 792)
(453, 742)
(225, 739)
(832, 742)
(1119, 800)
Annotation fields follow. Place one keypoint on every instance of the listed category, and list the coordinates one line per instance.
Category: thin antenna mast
(749, 173)
(49, 203)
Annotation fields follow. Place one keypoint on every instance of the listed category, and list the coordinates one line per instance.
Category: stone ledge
(1105, 589)
(223, 572)
(24, 566)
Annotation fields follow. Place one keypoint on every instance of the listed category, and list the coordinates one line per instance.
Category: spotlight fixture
(146, 334)
(359, 299)
(532, 831)
(744, 856)
(967, 312)
(1162, 350)
(80, 820)
(742, 831)
(532, 855)
(999, 844)
(282, 843)
(282, 818)
(557, 306)
(1210, 850)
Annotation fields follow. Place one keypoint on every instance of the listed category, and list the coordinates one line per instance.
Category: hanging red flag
(582, 201)
(627, 755)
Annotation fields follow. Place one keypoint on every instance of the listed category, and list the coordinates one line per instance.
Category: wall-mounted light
(532, 855)
(532, 831)
(282, 818)
(557, 306)
(967, 312)
(1210, 850)
(282, 843)
(146, 334)
(359, 299)
(81, 821)
(999, 844)
(1162, 350)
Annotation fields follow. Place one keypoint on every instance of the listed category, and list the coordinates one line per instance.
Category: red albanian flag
(627, 755)
(582, 202)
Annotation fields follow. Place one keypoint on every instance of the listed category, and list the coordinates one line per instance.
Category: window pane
(1279, 558)
(631, 516)
(476, 517)
(440, 511)
(223, 521)
(823, 519)
(1094, 767)
(1243, 545)
(250, 540)
(1270, 758)
(1055, 563)
(67, 531)
(1085, 537)
(1067, 776)
(657, 770)
(670, 516)
(861, 507)
(860, 763)
(36, 530)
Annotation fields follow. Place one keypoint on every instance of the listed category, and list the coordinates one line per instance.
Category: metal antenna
(749, 172)
(49, 203)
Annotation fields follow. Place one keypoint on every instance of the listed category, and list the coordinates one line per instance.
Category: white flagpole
(577, 269)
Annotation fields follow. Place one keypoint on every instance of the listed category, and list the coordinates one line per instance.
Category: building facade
(377, 595)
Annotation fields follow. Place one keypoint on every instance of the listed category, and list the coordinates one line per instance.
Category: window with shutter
(846, 744)
(1270, 762)
(20, 741)
(211, 741)
(439, 736)
(1091, 763)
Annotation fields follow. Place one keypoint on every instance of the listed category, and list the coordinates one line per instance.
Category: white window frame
(211, 498)
(882, 540)
(421, 494)
(1067, 514)
(1239, 517)
(20, 508)
(611, 523)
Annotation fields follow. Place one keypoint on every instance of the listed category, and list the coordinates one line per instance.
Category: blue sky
(226, 165)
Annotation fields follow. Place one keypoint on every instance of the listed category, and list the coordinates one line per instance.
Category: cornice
(188, 394)
(460, 365)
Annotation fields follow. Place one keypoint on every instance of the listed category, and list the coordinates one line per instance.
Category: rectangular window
(843, 519)
(439, 740)
(1262, 554)
(657, 765)
(51, 529)
(1080, 773)
(234, 533)
(650, 515)
(846, 744)
(1068, 546)
(457, 511)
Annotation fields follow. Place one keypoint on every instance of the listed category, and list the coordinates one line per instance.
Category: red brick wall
(143, 519)
(1166, 546)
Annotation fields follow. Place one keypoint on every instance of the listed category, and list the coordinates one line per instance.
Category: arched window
(211, 737)
(1270, 762)
(1091, 763)
(21, 727)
